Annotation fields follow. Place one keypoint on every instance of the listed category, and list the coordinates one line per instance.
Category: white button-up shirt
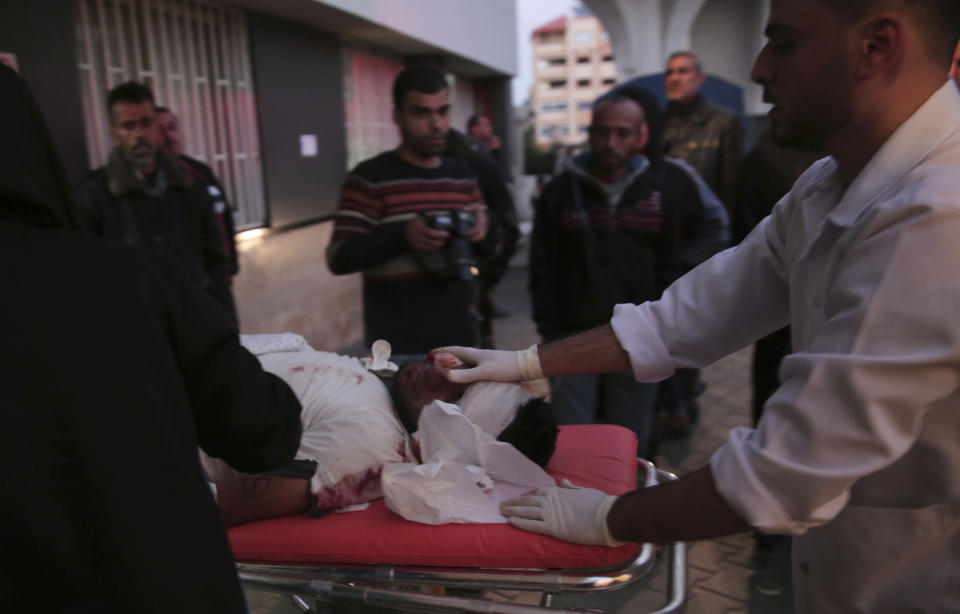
(869, 280)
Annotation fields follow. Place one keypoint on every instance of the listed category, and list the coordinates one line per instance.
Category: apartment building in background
(573, 64)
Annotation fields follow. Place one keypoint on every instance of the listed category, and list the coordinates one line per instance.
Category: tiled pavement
(717, 570)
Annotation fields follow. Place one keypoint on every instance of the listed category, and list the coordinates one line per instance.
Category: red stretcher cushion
(596, 455)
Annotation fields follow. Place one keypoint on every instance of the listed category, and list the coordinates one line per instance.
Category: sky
(531, 14)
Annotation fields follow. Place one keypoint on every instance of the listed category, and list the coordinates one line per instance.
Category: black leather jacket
(113, 204)
(708, 138)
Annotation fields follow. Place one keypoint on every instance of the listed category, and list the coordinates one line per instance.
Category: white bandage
(528, 361)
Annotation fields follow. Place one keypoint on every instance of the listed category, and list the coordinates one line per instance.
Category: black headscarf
(33, 187)
(654, 118)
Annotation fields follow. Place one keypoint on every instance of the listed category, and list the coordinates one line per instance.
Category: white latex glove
(567, 512)
(494, 365)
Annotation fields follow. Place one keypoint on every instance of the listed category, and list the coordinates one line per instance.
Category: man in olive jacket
(703, 135)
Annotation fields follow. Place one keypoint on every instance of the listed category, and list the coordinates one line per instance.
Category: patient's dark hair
(403, 411)
(533, 432)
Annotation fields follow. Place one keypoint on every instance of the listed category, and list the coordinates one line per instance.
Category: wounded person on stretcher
(354, 422)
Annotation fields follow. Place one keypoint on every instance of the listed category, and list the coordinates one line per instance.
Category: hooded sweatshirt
(115, 367)
(594, 245)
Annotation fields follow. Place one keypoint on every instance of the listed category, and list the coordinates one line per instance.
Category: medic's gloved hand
(567, 512)
(494, 365)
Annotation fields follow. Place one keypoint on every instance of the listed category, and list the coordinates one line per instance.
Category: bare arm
(594, 351)
(687, 509)
(254, 497)
(690, 508)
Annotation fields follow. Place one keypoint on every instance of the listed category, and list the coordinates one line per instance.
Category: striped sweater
(403, 301)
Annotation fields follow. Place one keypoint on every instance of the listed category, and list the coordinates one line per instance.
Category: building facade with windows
(573, 65)
(279, 98)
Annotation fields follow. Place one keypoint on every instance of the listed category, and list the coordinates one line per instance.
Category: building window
(583, 37)
(556, 84)
(584, 105)
(194, 55)
(609, 81)
(556, 61)
(583, 59)
(553, 107)
(583, 82)
(368, 106)
(554, 130)
(583, 129)
(551, 37)
(608, 57)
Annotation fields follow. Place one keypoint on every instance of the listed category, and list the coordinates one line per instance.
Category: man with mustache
(856, 453)
(402, 215)
(143, 197)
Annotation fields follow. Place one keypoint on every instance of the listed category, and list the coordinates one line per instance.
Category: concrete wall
(42, 35)
(485, 32)
(728, 35)
(298, 75)
(284, 286)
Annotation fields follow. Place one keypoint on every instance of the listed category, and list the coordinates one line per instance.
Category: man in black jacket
(115, 367)
(172, 140)
(143, 197)
(606, 231)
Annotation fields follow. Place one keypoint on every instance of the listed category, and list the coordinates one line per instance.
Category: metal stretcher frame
(376, 585)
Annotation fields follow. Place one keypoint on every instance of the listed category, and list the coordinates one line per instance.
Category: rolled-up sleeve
(723, 305)
(853, 401)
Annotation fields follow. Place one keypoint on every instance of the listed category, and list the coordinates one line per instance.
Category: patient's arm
(254, 497)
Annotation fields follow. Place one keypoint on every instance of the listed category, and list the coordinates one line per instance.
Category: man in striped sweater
(391, 211)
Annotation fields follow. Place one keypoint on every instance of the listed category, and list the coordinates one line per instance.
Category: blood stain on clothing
(353, 488)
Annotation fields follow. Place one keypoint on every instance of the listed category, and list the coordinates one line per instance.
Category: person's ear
(879, 43)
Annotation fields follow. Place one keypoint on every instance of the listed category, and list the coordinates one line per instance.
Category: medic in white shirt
(857, 453)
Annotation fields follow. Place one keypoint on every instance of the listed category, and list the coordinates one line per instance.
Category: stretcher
(375, 558)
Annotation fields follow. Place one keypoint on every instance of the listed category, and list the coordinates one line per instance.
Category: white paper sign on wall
(308, 145)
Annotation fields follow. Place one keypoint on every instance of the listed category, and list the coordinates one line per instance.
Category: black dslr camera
(457, 256)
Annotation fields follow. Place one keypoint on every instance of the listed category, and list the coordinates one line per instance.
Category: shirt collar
(925, 130)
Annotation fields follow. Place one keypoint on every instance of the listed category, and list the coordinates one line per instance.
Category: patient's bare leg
(253, 497)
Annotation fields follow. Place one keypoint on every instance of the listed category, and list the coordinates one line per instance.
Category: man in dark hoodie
(143, 197)
(608, 230)
(115, 367)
